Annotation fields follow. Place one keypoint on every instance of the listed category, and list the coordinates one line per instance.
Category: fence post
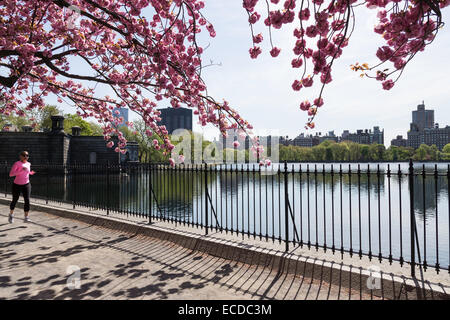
(6, 177)
(47, 182)
(149, 188)
(286, 209)
(206, 199)
(412, 218)
(107, 188)
(74, 184)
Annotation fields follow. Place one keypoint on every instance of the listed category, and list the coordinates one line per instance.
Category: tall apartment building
(176, 118)
(422, 119)
(423, 129)
(399, 142)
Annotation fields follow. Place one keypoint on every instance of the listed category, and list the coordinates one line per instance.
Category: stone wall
(36, 143)
(60, 148)
(42, 147)
(81, 148)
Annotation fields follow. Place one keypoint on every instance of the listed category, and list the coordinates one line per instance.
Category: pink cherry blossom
(297, 63)
(275, 52)
(258, 38)
(308, 82)
(318, 102)
(297, 85)
(305, 105)
(255, 52)
(254, 17)
(388, 84)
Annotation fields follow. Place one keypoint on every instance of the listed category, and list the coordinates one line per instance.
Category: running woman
(21, 170)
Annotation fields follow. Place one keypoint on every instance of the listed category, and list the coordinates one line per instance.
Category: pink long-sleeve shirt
(21, 170)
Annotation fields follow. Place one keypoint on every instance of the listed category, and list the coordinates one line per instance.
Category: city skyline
(171, 115)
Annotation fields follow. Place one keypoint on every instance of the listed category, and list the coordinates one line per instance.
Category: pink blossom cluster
(324, 28)
(406, 32)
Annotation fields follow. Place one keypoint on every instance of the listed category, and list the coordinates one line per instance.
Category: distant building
(176, 118)
(303, 140)
(121, 113)
(423, 130)
(364, 136)
(378, 135)
(361, 136)
(329, 137)
(284, 140)
(437, 136)
(422, 119)
(399, 142)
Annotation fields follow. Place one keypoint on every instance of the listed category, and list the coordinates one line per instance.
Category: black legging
(25, 189)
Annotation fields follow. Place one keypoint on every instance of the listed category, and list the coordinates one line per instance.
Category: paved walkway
(35, 257)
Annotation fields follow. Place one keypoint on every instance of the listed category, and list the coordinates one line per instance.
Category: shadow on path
(152, 269)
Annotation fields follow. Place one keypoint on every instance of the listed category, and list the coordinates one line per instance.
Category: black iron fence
(393, 212)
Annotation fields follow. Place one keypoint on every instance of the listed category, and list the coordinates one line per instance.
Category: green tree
(72, 120)
(392, 153)
(376, 152)
(96, 129)
(405, 153)
(340, 151)
(354, 151)
(365, 153)
(43, 117)
(423, 153)
(319, 153)
(434, 153)
(128, 133)
(446, 148)
(14, 120)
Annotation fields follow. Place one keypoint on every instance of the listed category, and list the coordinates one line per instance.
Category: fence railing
(383, 211)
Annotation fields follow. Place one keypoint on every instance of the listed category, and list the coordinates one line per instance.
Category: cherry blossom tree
(142, 58)
(145, 52)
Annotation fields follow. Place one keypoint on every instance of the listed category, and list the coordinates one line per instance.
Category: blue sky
(261, 89)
